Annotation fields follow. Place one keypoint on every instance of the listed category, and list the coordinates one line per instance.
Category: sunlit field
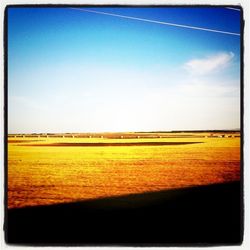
(64, 168)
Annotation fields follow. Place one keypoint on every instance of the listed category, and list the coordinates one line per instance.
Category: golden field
(49, 170)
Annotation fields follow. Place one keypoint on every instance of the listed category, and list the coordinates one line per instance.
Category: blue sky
(78, 71)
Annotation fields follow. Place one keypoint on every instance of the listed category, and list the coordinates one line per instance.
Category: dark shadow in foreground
(201, 215)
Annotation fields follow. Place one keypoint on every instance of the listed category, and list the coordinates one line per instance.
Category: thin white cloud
(209, 64)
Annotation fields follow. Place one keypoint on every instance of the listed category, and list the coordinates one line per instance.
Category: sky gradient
(77, 71)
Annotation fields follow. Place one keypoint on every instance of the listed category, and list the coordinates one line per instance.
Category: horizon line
(150, 131)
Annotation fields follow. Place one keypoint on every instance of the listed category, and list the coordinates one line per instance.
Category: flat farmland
(67, 168)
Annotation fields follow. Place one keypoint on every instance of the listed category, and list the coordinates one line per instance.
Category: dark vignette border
(5, 43)
(242, 26)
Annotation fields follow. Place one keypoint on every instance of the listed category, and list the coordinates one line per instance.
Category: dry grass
(39, 175)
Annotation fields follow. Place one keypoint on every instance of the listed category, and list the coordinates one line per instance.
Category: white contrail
(158, 22)
(233, 8)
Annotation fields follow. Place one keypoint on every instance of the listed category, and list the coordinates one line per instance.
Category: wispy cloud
(209, 64)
